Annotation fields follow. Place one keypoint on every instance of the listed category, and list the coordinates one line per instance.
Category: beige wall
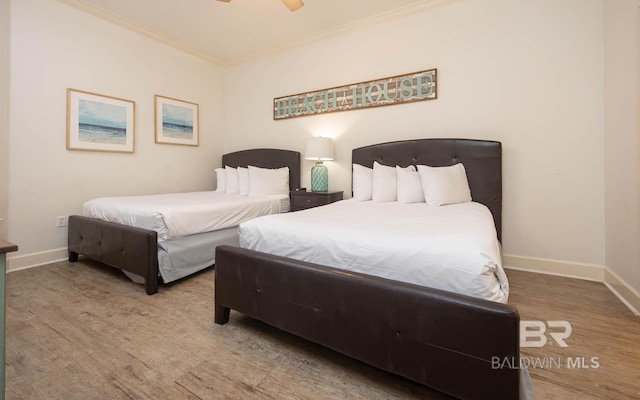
(4, 115)
(55, 47)
(622, 202)
(529, 74)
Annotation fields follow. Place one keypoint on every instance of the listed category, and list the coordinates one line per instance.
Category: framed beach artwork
(176, 121)
(97, 122)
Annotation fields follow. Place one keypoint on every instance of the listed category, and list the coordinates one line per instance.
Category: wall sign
(416, 86)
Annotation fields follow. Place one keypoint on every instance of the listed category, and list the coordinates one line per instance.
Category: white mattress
(180, 214)
(453, 247)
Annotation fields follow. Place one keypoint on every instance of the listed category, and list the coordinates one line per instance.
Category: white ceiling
(228, 33)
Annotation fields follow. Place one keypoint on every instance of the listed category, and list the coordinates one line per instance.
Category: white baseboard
(36, 259)
(618, 286)
(625, 292)
(587, 272)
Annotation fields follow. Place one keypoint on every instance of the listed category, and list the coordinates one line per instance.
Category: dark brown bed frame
(136, 250)
(441, 339)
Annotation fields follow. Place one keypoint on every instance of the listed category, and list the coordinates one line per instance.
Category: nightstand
(303, 200)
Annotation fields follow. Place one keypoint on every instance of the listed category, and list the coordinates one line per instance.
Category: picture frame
(97, 122)
(176, 121)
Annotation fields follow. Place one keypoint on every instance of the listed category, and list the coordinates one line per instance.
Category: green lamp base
(319, 178)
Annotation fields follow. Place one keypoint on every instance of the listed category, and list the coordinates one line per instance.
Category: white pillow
(264, 181)
(384, 186)
(243, 181)
(221, 176)
(362, 180)
(444, 185)
(409, 185)
(232, 180)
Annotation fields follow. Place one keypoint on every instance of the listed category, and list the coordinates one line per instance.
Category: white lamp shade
(319, 149)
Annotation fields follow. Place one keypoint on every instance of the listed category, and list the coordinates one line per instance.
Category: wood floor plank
(83, 330)
(225, 378)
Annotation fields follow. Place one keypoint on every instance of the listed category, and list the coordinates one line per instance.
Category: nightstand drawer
(304, 200)
(309, 201)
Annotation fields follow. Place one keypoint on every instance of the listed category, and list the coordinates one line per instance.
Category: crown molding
(99, 12)
(349, 27)
(133, 26)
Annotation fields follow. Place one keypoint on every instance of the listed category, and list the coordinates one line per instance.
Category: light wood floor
(84, 331)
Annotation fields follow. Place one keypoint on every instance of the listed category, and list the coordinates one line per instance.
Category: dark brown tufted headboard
(267, 158)
(482, 160)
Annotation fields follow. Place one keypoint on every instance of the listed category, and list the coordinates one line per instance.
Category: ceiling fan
(292, 4)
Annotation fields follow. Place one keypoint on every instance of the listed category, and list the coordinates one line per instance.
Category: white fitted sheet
(180, 214)
(453, 247)
(187, 255)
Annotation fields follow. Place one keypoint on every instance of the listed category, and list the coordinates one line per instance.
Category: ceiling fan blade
(293, 4)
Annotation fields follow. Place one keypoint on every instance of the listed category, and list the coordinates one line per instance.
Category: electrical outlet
(62, 222)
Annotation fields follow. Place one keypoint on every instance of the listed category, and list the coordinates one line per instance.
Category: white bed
(189, 225)
(452, 247)
(436, 338)
(174, 235)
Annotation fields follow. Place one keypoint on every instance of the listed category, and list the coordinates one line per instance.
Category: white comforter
(451, 247)
(180, 214)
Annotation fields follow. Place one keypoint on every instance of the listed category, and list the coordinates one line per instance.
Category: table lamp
(319, 149)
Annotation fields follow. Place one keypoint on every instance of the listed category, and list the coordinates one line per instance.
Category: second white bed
(453, 247)
(189, 225)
